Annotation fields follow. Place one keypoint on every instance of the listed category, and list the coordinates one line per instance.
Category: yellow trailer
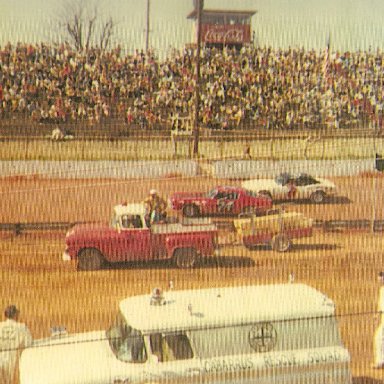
(277, 229)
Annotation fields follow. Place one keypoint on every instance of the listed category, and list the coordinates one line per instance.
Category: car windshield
(126, 343)
(283, 178)
(212, 193)
(305, 179)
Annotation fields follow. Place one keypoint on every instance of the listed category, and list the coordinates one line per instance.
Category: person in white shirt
(14, 337)
(379, 334)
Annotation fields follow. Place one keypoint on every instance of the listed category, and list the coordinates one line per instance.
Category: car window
(211, 194)
(126, 343)
(221, 195)
(232, 195)
(283, 178)
(171, 347)
(303, 180)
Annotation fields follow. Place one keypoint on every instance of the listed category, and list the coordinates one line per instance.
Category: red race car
(220, 200)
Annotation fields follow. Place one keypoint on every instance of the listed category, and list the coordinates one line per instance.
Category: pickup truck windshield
(126, 343)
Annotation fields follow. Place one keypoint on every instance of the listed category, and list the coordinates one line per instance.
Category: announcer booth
(223, 27)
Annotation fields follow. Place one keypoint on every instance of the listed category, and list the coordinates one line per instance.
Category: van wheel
(190, 210)
(90, 259)
(185, 257)
(281, 243)
(317, 197)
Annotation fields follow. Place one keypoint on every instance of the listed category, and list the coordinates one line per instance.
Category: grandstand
(255, 88)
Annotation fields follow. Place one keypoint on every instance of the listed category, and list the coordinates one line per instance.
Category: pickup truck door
(133, 244)
(132, 241)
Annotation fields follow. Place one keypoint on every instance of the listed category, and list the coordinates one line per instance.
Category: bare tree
(84, 26)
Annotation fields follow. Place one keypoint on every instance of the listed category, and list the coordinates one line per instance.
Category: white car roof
(129, 209)
(194, 309)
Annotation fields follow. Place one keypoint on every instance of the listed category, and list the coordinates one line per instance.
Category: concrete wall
(152, 169)
(253, 168)
(99, 169)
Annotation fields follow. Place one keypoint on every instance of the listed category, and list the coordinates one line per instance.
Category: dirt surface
(51, 292)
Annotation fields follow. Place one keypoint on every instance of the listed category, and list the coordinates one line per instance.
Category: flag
(326, 60)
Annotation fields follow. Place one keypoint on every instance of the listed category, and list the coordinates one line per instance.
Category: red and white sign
(225, 34)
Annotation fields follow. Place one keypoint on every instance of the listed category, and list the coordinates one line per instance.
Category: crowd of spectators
(251, 87)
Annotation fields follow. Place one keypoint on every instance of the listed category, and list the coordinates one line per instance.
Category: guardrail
(18, 228)
(326, 225)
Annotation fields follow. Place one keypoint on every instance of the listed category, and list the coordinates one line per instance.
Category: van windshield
(126, 343)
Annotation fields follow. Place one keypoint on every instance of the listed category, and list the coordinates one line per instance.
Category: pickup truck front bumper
(66, 256)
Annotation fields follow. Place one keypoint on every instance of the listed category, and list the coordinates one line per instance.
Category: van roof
(214, 307)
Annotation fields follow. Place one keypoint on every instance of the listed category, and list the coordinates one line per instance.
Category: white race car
(289, 187)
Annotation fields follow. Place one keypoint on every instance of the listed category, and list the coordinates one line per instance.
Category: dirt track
(50, 292)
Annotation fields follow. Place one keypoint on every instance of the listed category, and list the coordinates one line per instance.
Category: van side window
(171, 347)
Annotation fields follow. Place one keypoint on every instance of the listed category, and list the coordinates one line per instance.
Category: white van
(285, 333)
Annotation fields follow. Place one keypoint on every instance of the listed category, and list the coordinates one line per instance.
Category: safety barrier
(99, 169)
(242, 169)
(325, 225)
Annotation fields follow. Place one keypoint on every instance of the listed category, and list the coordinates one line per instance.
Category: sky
(350, 24)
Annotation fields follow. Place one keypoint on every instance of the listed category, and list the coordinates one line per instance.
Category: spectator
(57, 134)
(14, 338)
(255, 86)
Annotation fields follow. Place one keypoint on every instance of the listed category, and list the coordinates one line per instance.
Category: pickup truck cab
(129, 237)
(278, 333)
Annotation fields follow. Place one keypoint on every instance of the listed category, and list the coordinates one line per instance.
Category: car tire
(185, 258)
(317, 197)
(281, 243)
(90, 259)
(190, 210)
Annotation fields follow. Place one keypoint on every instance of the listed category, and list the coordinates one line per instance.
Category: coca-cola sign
(225, 34)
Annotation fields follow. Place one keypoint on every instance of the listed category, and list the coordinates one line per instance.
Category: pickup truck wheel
(90, 259)
(317, 197)
(281, 243)
(190, 210)
(185, 257)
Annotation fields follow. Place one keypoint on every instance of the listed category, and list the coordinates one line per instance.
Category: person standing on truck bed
(156, 207)
(14, 336)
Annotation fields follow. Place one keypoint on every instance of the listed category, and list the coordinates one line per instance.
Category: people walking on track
(14, 337)
(379, 334)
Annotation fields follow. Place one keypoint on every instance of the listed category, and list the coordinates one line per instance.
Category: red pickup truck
(129, 238)
(220, 200)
